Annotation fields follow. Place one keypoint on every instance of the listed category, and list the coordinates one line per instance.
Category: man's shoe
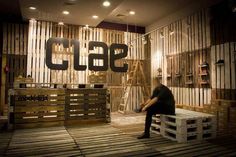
(143, 136)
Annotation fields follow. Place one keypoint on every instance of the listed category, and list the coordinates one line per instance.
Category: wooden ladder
(136, 71)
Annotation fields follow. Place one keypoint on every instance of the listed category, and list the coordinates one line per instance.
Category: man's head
(157, 82)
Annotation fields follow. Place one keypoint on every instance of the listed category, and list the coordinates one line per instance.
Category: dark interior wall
(223, 23)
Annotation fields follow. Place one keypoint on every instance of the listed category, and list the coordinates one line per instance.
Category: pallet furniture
(42, 107)
(87, 104)
(37, 107)
(185, 126)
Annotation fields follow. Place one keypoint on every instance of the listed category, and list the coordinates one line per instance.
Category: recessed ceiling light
(132, 12)
(95, 16)
(65, 12)
(32, 8)
(106, 3)
(60, 23)
(234, 9)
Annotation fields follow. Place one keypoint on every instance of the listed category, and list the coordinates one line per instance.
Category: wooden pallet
(37, 107)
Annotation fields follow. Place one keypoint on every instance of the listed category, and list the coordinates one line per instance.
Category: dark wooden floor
(105, 140)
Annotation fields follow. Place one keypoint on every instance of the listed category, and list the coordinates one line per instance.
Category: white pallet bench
(185, 126)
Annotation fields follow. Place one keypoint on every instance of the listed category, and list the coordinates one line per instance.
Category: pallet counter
(41, 107)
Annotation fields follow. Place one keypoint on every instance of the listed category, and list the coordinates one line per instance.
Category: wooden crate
(86, 104)
(37, 107)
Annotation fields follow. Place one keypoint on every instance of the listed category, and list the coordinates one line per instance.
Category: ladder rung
(122, 104)
(122, 112)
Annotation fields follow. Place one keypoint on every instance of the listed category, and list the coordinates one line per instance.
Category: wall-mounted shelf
(189, 83)
(204, 74)
(177, 75)
(220, 62)
(189, 75)
(204, 82)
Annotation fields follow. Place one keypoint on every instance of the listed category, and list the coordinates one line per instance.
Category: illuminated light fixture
(94, 16)
(86, 27)
(172, 32)
(132, 12)
(32, 8)
(106, 3)
(234, 9)
(60, 23)
(65, 12)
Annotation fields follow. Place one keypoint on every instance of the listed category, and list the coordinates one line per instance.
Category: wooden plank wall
(179, 48)
(24, 44)
(223, 39)
(15, 43)
(40, 31)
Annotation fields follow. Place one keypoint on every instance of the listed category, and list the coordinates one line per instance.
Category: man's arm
(145, 103)
(150, 103)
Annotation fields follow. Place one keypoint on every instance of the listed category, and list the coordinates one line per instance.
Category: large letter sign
(77, 66)
(49, 63)
(114, 57)
(92, 57)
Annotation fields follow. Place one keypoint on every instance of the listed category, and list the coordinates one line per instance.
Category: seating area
(185, 126)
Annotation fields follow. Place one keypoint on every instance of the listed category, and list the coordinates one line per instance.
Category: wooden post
(3, 83)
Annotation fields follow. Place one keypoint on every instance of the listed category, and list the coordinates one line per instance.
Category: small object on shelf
(220, 62)
(177, 75)
(159, 76)
(204, 82)
(168, 75)
(189, 82)
(204, 65)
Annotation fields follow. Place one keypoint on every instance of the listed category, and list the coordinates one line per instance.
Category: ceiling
(81, 11)
(147, 11)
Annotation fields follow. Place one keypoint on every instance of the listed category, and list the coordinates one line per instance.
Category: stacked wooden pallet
(185, 126)
(225, 112)
(86, 104)
(37, 107)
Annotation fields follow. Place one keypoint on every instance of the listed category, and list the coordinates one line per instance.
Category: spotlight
(132, 12)
(32, 8)
(94, 16)
(60, 23)
(106, 3)
(65, 12)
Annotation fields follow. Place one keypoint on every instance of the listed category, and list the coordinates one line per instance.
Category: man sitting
(161, 102)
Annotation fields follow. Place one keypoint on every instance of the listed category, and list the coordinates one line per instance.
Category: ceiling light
(86, 27)
(60, 23)
(32, 8)
(66, 12)
(95, 16)
(106, 3)
(132, 12)
(234, 9)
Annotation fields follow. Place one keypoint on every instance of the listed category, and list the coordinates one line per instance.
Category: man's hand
(142, 105)
(144, 109)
